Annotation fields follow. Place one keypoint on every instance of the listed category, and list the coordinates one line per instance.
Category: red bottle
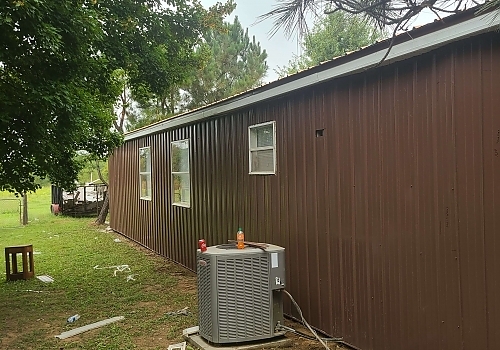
(202, 245)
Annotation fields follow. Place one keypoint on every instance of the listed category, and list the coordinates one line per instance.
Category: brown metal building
(382, 182)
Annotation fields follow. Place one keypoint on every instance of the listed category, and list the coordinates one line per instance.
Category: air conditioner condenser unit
(239, 293)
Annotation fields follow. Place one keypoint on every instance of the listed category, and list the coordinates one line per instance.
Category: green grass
(69, 249)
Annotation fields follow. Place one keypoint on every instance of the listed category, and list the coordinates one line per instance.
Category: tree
(55, 92)
(154, 46)
(332, 36)
(236, 64)
(91, 167)
(123, 105)
(57, 75)
(151, 108)
(232, 63)
(292, 14)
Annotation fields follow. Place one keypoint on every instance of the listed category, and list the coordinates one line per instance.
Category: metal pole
(84, 200)
(20, 210)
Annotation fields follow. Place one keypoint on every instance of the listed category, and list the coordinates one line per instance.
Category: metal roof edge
(477, 25)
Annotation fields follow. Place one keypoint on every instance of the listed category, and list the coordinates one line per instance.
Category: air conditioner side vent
(204, 296)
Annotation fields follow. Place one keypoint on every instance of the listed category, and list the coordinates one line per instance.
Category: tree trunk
(25, 209)
(101, 218)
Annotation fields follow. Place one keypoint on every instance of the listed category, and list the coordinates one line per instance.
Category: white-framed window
(262, 148)
(181, 179)
(145, 172)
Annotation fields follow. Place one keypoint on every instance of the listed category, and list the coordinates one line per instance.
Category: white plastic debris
(131, 277)
(73, 318)
(118, 268)
(180, 346)
(191, 331)
(121, 268)
(88, 327)
(117, 240)
(45, 278)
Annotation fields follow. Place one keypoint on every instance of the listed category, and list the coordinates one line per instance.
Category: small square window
(262, 148)
(181, 179)
(145, 172)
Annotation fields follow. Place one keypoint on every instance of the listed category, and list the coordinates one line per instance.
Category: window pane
(180, 156)
(264, 135)
(145, 185)
(263, 161)
(144, 160)
(182, 188)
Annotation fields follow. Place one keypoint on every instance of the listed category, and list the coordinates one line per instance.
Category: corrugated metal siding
(390, 219)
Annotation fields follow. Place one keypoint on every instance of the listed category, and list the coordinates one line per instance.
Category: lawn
(68, 249)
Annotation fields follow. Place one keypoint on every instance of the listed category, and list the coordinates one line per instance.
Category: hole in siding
(319, 132)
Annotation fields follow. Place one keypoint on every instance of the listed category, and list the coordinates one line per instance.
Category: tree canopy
(291, 15)
(332, 36)
(236, 64)
(57, 80)
(232, 63)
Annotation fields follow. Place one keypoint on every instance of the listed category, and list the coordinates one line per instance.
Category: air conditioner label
(274, 260)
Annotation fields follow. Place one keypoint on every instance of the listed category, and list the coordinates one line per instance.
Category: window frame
(265, 148)
(141, 173)
(172, 173)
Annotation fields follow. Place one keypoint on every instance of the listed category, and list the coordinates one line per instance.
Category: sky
(279, 49)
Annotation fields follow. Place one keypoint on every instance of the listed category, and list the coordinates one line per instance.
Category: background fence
(10, 211)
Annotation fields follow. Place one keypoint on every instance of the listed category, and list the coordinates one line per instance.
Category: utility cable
(304, 320)
(306, 336)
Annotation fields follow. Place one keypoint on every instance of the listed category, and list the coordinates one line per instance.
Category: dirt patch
(188, 285)
(155, 340)
(10, 338)
(146, 305)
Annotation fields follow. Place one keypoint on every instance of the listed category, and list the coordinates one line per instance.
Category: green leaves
(236, 64)
(55, 96)
(336, 34)
(332, 36)
(58, 75)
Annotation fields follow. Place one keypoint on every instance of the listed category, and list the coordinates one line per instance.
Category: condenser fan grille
(243, 297)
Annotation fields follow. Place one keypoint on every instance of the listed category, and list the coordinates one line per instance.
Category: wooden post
(25, 209)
